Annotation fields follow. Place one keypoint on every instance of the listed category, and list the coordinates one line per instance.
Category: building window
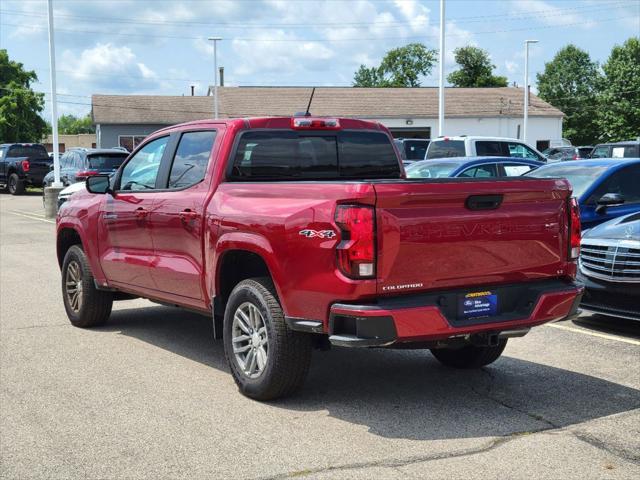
(130, 142)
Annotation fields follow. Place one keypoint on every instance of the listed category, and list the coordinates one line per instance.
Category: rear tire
(15, 185)
(86, 306)
(254, 326)
(471, 356)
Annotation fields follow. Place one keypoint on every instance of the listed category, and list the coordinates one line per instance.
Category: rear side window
(446, 148)
(516, 169)
(191, 159)
(284, 155)
(491, 149)
(626, 151)
(481, 171)
(521, 151)
(600, 152)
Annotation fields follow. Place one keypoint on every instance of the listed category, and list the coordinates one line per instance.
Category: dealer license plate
(477, 304)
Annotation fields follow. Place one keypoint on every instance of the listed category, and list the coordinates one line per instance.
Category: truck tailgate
(448, 234)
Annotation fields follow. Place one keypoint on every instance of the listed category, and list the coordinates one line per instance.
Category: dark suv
(79, 163)
(630, 149)
(568, 153)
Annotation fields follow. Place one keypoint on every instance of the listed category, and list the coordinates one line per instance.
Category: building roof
(328, 101)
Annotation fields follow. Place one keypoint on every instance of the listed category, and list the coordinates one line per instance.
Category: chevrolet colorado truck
(295, 233)
(23, 164)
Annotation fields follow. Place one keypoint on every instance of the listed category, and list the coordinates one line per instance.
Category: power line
(346, 25)
(324, 40)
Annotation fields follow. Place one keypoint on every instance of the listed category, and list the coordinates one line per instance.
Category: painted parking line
(31, 216)
(594, 334)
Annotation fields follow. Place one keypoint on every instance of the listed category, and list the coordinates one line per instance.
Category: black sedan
(610, 268)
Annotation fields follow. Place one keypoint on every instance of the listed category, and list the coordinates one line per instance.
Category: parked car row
(630, 149)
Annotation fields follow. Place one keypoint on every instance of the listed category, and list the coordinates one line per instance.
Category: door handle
(110, 216)
(141, 213)
(188, 215)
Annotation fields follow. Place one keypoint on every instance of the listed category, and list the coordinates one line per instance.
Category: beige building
(124, 120)
(65, 142)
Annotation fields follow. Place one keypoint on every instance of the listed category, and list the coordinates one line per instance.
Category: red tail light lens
(574, 229)
(25, 165)
(86, 173)
(357, 250)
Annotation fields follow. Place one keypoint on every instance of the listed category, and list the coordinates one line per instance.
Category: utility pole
(215, 41)
(526, 88)
(441, 84)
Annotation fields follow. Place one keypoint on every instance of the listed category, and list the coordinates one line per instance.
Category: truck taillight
(25, 165)
(303, 123)
(574, 229)
(86, 173)
(357, 249)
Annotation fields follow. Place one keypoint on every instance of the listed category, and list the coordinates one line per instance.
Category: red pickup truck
(295, 233)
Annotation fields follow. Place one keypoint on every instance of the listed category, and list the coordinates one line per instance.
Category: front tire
(15, 185)
(470, 356)
(86, 306)
(266, 358)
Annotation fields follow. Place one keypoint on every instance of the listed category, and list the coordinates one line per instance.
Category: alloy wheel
(249, 340)
(73, 286)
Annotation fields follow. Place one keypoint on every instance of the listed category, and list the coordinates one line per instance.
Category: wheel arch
(237, 262)
(65, 239)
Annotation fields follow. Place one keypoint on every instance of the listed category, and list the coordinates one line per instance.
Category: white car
(467, 146)
(64, 195)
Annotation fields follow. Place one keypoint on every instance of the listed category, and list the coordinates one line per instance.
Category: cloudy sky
(160, 46)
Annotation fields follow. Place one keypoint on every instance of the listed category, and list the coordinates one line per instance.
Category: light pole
(441, 83)
(54, 100)
(526, 88)
(215, 41)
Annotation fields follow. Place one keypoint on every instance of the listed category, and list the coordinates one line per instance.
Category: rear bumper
(428, 318)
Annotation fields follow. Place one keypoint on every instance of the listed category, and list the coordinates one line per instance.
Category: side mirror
(98, 184)
(609, 200)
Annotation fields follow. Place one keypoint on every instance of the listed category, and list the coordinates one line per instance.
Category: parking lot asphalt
(149, 396)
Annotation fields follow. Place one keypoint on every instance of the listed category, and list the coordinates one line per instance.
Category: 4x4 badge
(317, 233)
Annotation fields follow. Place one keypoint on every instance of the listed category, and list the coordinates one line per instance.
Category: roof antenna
(308, 113)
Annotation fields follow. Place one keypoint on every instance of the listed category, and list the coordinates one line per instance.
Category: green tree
(618, 115)
(19, 104)
(570, 83)
(476, 69)
(400, 67)
(72, 125)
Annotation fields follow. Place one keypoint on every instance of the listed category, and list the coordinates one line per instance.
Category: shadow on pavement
(407, 394)
(607, 324)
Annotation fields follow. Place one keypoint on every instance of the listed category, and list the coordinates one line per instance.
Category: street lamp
(441, 75)
(215, 41)
(526, 88)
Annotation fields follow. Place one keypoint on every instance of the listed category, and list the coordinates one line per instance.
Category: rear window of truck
(32, 151)
(446, 148)
(289, 155)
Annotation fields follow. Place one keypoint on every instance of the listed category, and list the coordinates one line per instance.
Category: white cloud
(278, 52)
(546, 13)
(510, 66)
(107, 66)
